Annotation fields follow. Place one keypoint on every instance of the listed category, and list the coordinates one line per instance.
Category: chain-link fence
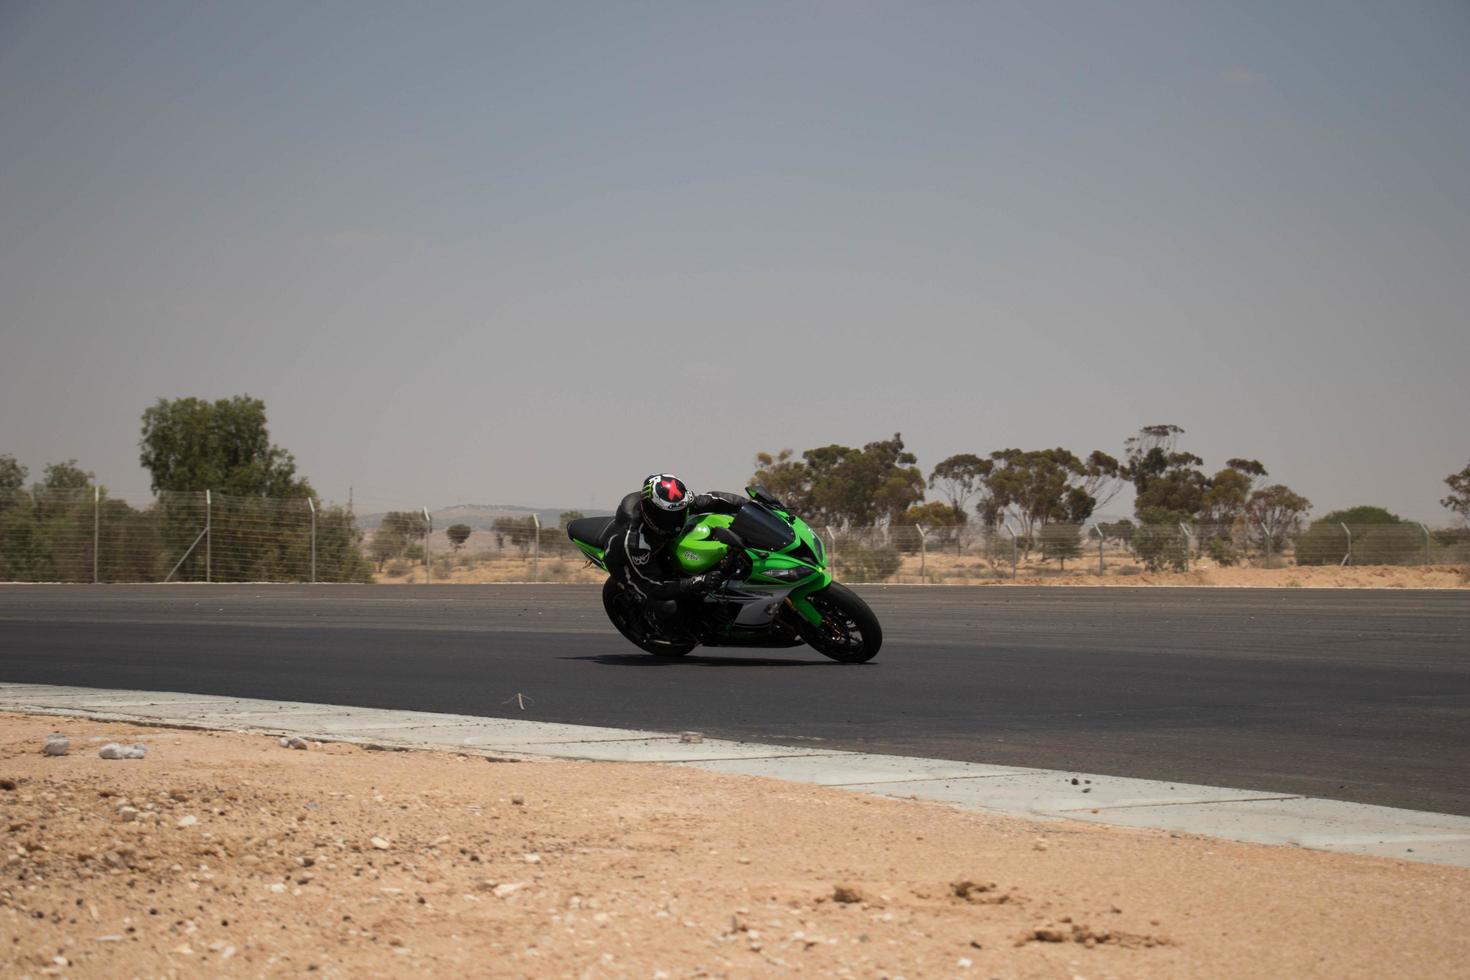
(912, 553)
(82, 535)
(506, 548)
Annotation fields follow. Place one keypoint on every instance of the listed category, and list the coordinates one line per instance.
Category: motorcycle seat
(592, 530)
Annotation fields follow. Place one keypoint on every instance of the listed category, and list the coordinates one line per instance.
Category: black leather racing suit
(644, 563)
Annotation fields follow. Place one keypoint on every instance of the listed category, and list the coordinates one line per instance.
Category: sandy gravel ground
(228, 854)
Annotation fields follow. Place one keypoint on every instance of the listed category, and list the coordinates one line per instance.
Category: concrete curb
(1040, 794)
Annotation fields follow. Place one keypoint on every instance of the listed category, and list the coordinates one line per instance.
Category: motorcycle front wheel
(849, 632)
(625, 615)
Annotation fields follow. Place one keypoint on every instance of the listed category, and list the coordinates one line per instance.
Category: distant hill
(481, 516)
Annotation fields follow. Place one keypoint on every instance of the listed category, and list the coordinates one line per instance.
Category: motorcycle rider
(637, 552)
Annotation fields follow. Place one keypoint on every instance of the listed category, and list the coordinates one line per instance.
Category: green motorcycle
(780, 593)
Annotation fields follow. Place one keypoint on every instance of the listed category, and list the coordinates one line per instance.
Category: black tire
(618, 611)
(849, 633)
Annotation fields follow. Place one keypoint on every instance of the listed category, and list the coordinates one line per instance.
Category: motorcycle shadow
(699, 660)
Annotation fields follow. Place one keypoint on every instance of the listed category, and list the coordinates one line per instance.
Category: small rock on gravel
(294, 742)
(56, 744)
(114, 751)
(846, 894)
(965, 888)
(379, 843)
(188, 821)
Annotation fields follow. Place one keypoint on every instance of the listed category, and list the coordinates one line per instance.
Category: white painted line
(1212, 811)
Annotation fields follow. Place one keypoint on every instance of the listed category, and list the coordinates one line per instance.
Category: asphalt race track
(1351, 695)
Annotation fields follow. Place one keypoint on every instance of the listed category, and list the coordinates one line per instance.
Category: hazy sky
(529, 252)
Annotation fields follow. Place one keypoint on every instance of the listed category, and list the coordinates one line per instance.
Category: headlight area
(787, 573)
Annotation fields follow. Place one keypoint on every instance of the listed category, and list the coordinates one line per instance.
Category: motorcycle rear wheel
(849, 632)
(622, 612)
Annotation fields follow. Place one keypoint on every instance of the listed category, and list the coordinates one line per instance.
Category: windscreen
(759, 528)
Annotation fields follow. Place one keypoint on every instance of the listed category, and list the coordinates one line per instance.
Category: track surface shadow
(649, 660)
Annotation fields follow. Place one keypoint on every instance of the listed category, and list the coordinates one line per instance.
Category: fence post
(428, 529)
(1013, 550)
(1266, 537)
(831, 549)
(1426, 543)
(312, 506)
(923, 550)
(536, 547)
(1347, 559)
(1100, 566)
(208, 539)
(96, 528)
(1185, 531)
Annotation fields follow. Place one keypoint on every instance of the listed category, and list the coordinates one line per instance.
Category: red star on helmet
(671, 489)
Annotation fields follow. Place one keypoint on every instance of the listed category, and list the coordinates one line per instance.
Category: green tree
(339, 546)
(1223, 506)
(458, 534)
(66, 476)
(12, 478)
(260, 527)
(387, 544)
(1060, 541)
(1459, 498)
(1378, 537)
(1170, 484)
(46, 534)
(190, 444)
(1163, 478)
(1276, 512)
(940, 521)
(63, 512)
(785, 477)
(397, 530)
(1122, 530)
(841, 485)
(959, 478)
(1040, 487)
(519, 531)
(17, 522)
(1228, 492)
(936, 513)
(1160, 542)
(860, 561)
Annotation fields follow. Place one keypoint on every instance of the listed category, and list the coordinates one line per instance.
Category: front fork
(799, 602)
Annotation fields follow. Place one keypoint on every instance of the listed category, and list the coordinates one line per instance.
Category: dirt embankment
(231, 854)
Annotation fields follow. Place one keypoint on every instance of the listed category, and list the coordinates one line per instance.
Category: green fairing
(594, 554)
(695, 552)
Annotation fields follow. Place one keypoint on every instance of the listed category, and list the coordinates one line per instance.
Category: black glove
(704, 582)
